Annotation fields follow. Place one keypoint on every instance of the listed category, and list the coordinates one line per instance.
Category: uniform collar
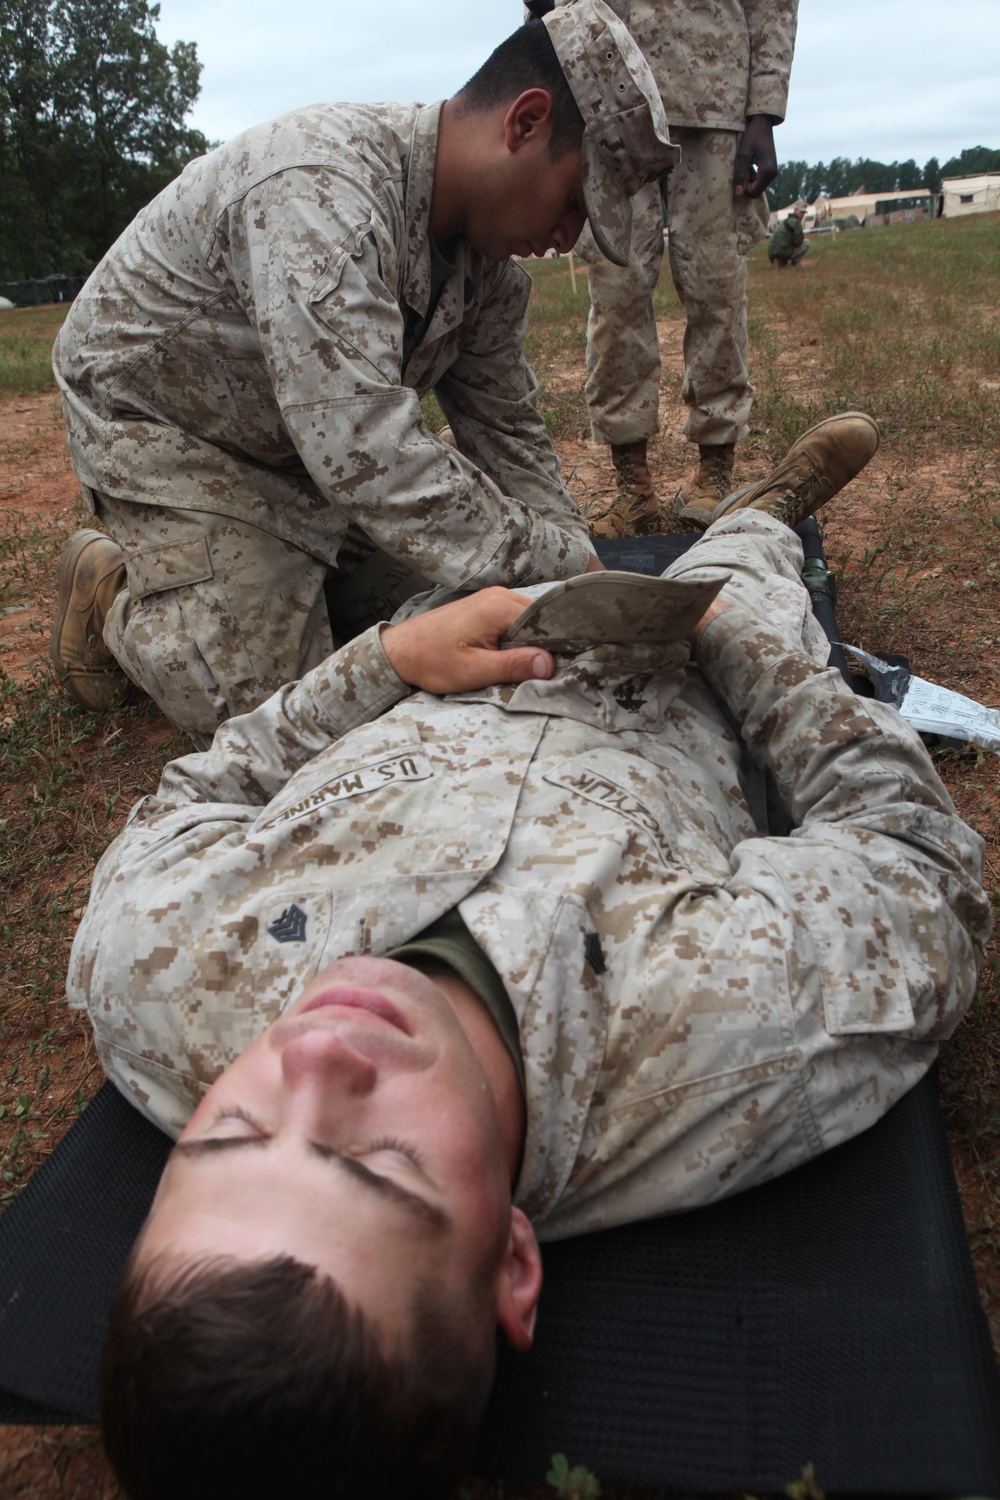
(419, 189)
(464, 287)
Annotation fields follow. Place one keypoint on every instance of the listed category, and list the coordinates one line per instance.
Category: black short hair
(230, 1380)
(527, 60)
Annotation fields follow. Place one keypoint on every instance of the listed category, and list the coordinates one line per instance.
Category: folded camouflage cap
(626, 140)
(611, 608)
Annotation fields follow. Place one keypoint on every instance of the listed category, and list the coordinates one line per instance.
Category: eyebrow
(385, 1187)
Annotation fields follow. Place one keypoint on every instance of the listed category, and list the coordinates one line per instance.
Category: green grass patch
(904, 322)
(26, 338)
(67, 778)
(25, 547)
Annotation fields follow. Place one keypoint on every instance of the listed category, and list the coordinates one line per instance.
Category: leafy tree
(909, 176)
(842, 178)
(92, 111)
(120, 98)
(26, 139)
(787, 186)
(973, 159)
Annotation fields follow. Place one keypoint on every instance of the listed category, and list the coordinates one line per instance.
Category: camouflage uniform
(700, 1007)
(715, 62)
(787, 236)
(241, 378)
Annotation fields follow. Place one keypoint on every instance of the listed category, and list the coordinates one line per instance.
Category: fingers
(766, 172)
(457, 648)
(486, 668)
(756, 159)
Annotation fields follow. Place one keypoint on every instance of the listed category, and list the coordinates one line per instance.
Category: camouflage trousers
(710, 233)
(761, 559)
(219, 614)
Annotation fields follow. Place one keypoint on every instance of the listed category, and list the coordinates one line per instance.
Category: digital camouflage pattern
(626, 142)
(217, 614)
(710, 234)
(700, 1007)
(254, 346)
(715, 63)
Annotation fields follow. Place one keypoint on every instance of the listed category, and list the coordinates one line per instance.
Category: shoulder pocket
(349, 249)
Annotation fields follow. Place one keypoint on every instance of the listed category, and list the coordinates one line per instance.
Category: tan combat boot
(816, 466)
(712, 482)
(635, 510)
(91, 572)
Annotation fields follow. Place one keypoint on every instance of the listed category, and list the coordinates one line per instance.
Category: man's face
(532, 205)
(359, 1133)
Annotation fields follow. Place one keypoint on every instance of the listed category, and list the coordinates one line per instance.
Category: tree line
(92, 111)
(841, 177)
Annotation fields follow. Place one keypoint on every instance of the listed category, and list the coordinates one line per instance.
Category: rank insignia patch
(290, 927)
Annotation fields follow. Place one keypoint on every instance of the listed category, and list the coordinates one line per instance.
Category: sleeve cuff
(355, 684)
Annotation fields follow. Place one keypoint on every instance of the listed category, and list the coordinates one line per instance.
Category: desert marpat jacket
(699, 1007)
(256, 344)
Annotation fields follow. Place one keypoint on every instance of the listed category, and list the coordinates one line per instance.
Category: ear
(528, 119)
(519, 1282)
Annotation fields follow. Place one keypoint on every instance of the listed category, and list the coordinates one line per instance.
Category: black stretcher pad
(830, 1317)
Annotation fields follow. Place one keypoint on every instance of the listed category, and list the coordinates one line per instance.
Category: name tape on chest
(592, 787)
(357, 783)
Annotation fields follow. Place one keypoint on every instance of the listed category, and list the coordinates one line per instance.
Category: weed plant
(556, 344)
(26, 336)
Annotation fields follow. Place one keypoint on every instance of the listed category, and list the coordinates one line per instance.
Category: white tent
(970, 195)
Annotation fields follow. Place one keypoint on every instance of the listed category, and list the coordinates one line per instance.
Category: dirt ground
(866, 528)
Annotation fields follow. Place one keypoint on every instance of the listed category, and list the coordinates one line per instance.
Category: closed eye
(205, 1147)
(234, 1112)
(397, 1147)
(389, 1143)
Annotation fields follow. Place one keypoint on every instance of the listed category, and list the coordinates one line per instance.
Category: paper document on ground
(937, 710)
(932, 709)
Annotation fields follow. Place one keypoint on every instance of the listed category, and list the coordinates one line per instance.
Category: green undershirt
(448, 947)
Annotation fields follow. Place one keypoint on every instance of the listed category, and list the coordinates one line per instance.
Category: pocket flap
(156, 569)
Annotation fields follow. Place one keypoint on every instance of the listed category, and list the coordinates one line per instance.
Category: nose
(319, 1065)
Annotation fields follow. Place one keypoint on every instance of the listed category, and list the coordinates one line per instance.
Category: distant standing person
(788, 245)
(722, 68)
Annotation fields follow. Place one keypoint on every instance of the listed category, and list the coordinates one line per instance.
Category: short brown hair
(527, 60)
(246, 1380)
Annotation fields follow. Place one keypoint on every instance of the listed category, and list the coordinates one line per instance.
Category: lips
(351, 998)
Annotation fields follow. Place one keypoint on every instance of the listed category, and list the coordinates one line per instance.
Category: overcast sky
(888, 79)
